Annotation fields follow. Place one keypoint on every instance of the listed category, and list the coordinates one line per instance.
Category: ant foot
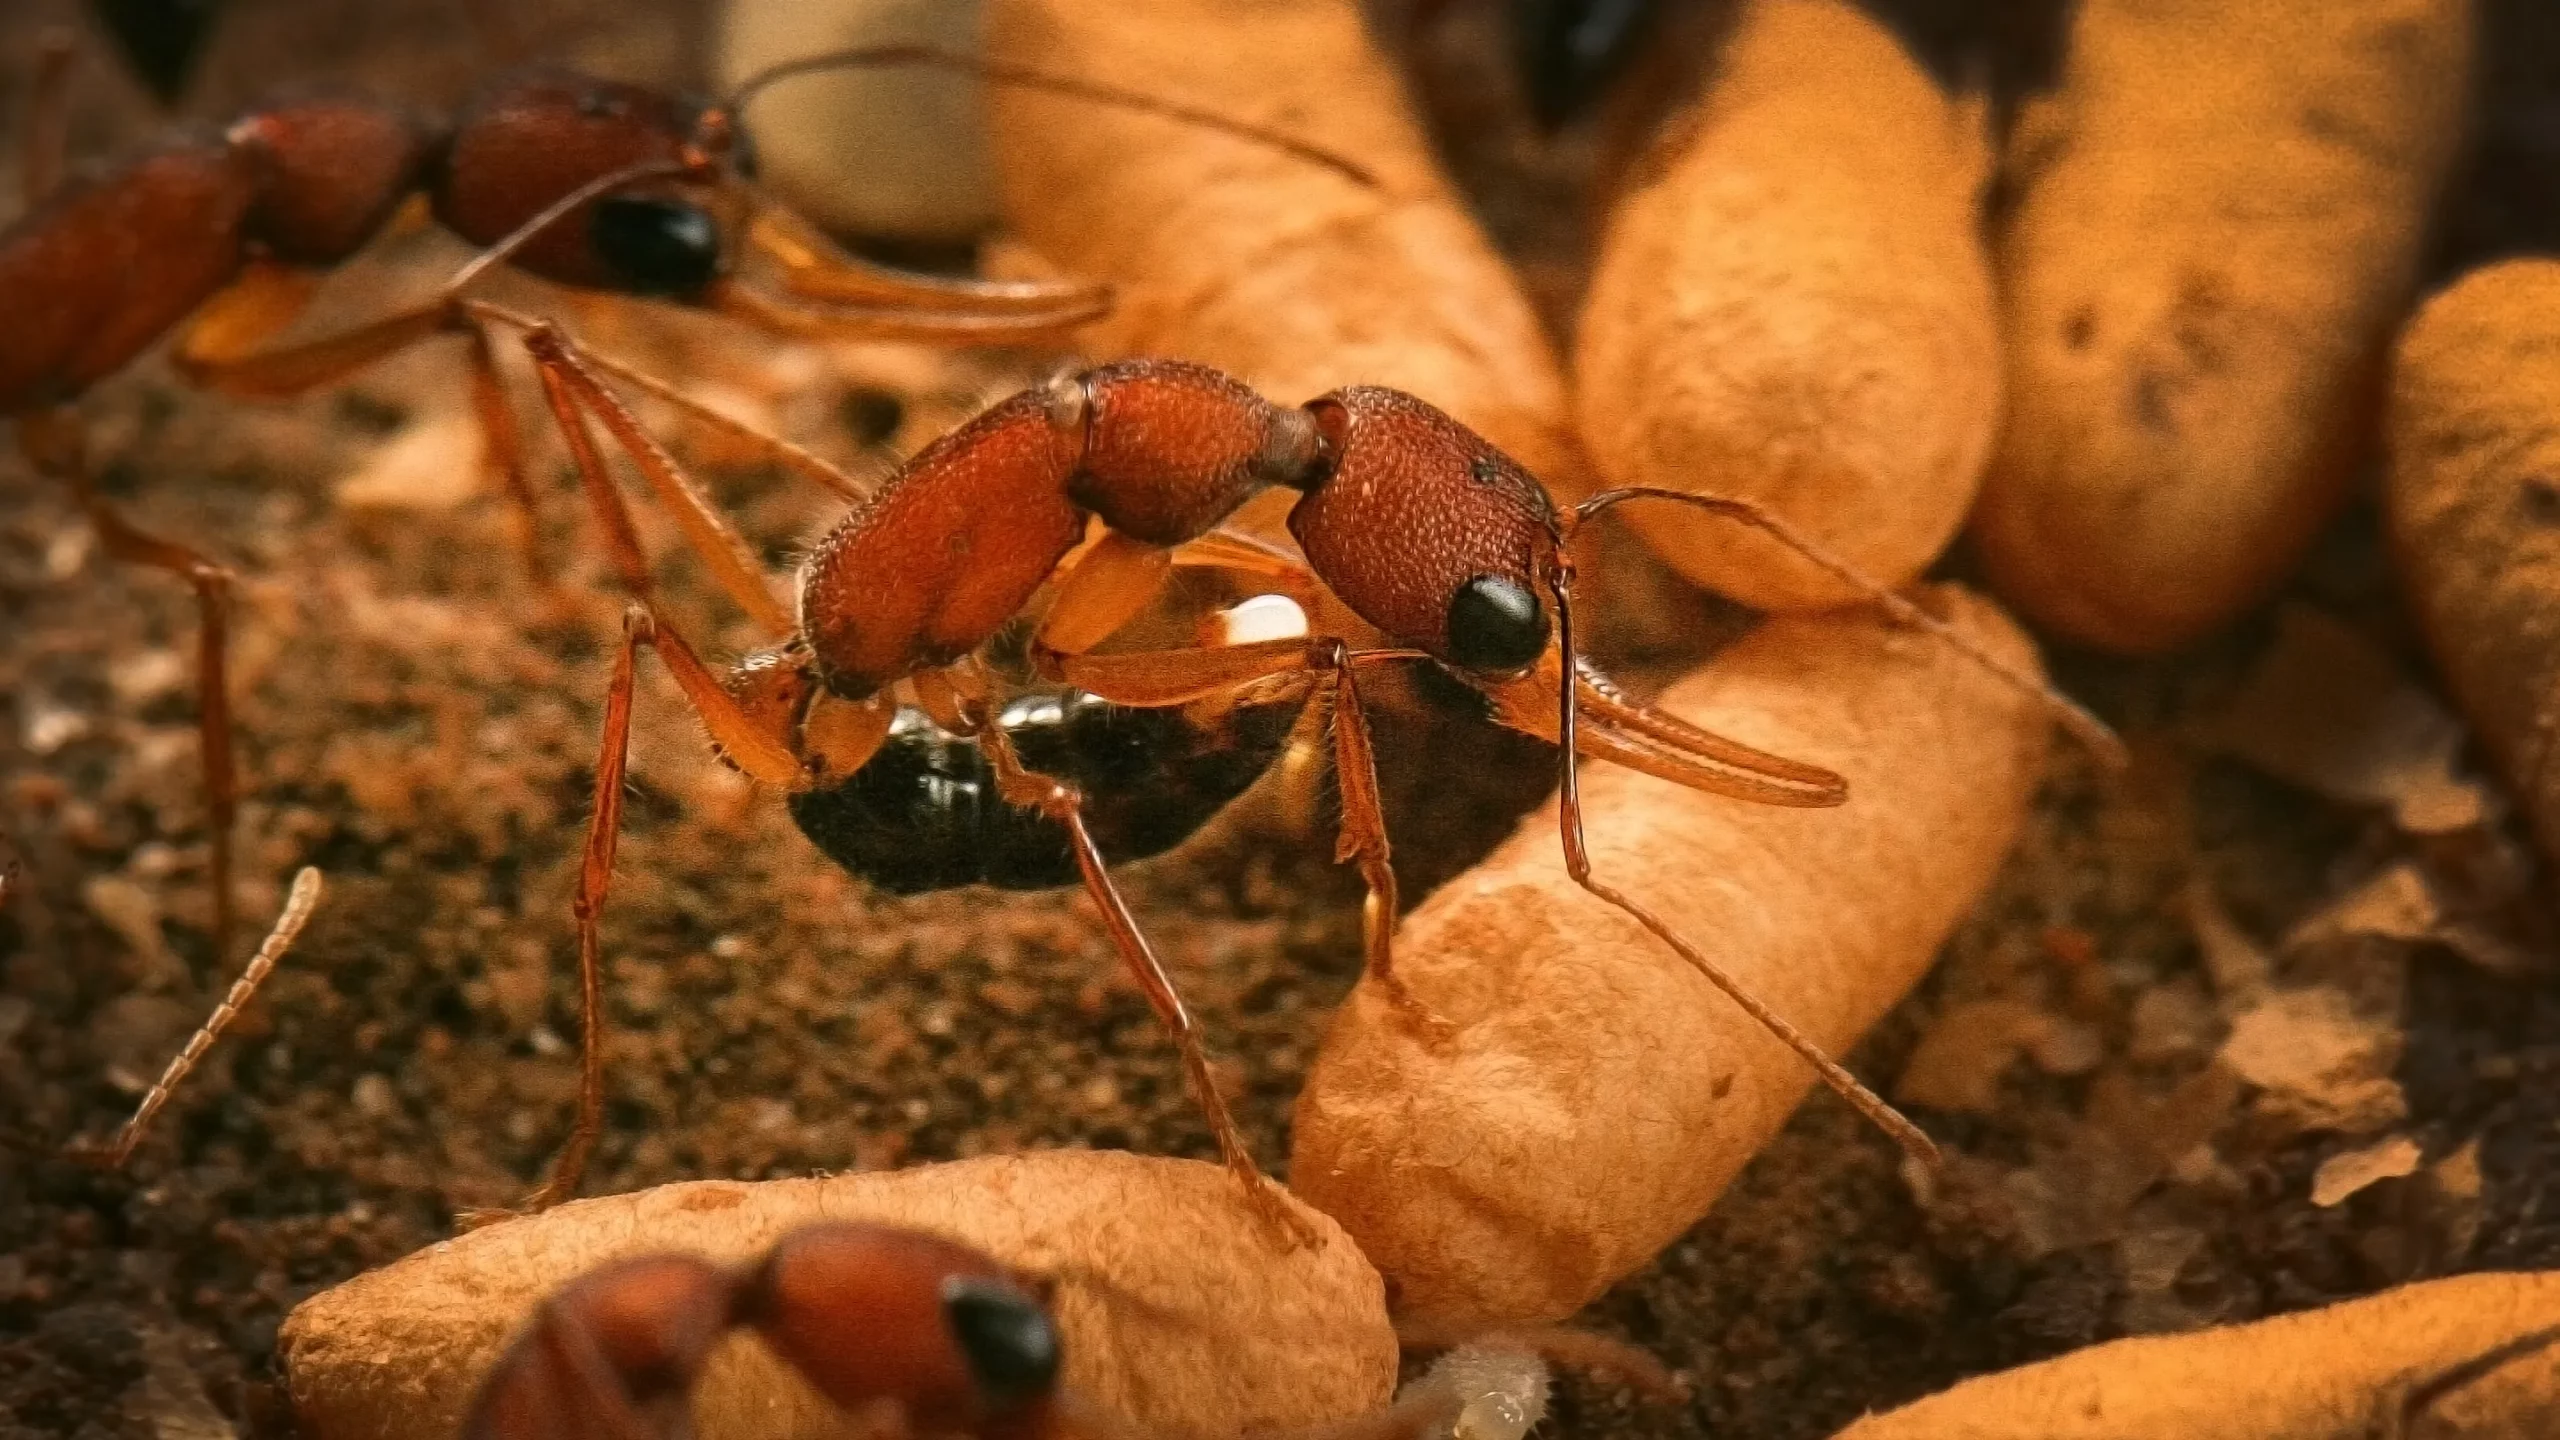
(1438, 1031)
(1280, 1218)
(481, 1217)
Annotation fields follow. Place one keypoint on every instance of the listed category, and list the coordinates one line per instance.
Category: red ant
(957, 1342)
(1416, 524)
(589, 183)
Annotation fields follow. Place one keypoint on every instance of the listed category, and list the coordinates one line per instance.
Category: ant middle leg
(1023, 787)
(54, 443)
(1156, 679)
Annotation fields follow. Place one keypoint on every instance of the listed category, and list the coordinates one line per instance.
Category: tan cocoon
(1794, 306)
(1200, 1325)
(2221, 213)
(1290, 276)
(1600, 1093)
(2474, 504)
(2472, 1356)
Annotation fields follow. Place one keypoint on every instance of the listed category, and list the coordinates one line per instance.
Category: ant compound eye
(1495, 624)
(658, 247)
(1010, 1344)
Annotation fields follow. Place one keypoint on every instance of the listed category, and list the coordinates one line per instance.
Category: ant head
(946, 1331)
(331, 168)
(1429, 532)
(661, 218)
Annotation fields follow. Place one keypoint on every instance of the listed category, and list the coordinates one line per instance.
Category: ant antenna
(298, 905)
(1577, 862)
(2086, 728)
(1005, 72)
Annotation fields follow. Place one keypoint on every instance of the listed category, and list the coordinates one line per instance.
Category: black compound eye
(1008, 1340)
(1495, 624)
(657, 247)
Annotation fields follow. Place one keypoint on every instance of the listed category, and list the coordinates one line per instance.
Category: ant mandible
(585, 182)
(957, 1342)
(1413, 522)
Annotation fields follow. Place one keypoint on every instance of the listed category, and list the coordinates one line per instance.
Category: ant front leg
(1023, 787)
(751, 743)
(1160, 679)
(53, 441)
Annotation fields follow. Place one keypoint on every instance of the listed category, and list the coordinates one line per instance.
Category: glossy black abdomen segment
(924, 813)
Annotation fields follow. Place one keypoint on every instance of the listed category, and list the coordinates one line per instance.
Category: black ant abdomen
(924, 813)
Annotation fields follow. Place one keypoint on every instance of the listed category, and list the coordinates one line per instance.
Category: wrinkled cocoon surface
(875, 151)
(1204, 1327)
(1600, 1093)
(1288, 275)
(2221, 214)
(1795, 307)
(2474, 504)
(2329, 1374)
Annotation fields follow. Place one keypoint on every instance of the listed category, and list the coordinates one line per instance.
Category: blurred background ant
(944, 1338)
(584, 182)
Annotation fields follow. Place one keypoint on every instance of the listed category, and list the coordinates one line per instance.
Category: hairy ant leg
(1021, 786)
(1177, 677)
(2088, 729)
(744, 741)
(298, 905)
(502, 453)
(574, 393)
(53, 442)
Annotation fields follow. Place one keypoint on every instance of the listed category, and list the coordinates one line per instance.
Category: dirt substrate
(2263, 1024)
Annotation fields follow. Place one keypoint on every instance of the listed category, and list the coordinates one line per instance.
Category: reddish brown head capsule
(331, 168)
(943, 1330)
(539, 137)
(1428, 531)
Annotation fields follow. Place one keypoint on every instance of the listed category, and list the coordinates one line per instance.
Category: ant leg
(1100, 590)
(1164, 678)
(814, 268)
(297, 912)
(781, 452)
(52, 440)
(762, 755)
(2088, 729)
(574, 392)
(1577, 863)
(503, 454)
(595, 883)
(48, 116)
(1032, 791)
(1363, 842)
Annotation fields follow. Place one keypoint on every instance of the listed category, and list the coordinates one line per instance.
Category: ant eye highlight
(1008, 1340)
(1496, 624)
(658, 247)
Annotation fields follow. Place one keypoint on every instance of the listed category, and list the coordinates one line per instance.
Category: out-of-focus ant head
(668, 227)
